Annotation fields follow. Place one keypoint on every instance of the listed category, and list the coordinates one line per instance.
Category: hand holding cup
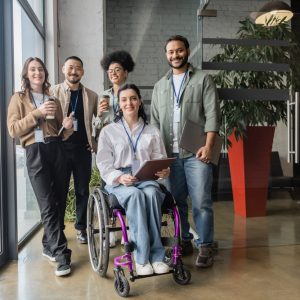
(103, 105)
(48, 109)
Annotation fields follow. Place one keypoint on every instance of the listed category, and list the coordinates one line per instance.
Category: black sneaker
(63, 270)
(46, 253)
(82, 236)
(205, 258)
(187, 248)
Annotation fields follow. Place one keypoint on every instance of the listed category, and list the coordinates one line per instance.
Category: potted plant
(70, 213)
(249, 125)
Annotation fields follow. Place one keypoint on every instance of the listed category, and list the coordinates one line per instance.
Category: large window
(29, 41)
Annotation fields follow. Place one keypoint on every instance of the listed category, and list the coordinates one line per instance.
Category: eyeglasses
(115, 70)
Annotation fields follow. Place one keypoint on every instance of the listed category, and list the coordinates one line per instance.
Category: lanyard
(114, 105)
(179, 92)
(74, 107)
(131, 142)
(33, 100)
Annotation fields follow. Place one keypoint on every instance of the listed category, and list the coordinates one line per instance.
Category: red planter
(249, 160)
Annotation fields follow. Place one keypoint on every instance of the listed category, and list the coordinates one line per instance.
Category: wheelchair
(102, 214)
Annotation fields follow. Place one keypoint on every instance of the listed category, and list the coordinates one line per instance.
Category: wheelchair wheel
(121, 284)
(181, 275)
(97, 232)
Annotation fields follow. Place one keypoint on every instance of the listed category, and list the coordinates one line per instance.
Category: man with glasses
(82, 102)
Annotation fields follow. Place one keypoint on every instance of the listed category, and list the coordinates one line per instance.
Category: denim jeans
(189, 176)
(142, 203)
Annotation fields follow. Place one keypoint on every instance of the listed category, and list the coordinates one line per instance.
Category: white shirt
(39, 98)
(115, 150)
(177, 80)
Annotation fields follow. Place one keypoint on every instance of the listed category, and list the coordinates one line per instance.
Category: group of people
(59, 128)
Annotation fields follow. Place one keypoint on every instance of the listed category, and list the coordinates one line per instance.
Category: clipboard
(193, 137)
(149, 167)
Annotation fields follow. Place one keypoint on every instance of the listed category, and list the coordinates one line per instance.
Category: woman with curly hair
(117, 65)
(37, 122)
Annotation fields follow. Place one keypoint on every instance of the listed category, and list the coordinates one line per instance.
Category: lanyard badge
(135, 164)
(177, 98)
(75, 120)
(38, 135)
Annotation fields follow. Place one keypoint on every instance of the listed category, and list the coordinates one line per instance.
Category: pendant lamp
(273, 13)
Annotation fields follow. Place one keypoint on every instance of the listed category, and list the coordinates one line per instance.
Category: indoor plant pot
(249, 158)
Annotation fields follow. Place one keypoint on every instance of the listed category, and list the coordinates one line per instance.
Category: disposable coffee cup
(105, 98)
(50, 116)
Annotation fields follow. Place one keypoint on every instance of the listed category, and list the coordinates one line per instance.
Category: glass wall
(38, 8)
(28, 42)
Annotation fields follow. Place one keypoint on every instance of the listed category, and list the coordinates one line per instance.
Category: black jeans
(46, 169)
(79, 162)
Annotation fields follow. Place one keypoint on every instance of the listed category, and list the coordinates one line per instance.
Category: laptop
(193, 137)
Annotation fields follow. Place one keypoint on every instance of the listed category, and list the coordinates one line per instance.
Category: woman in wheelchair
(122, 147)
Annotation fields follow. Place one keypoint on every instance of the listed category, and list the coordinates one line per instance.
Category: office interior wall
(81, 32)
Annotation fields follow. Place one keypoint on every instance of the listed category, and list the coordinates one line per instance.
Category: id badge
(75, 124)
(177, 114)
(38, 135)
(135, 165)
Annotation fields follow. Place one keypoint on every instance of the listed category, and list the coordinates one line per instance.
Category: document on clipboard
(148, 169)
(193, 137)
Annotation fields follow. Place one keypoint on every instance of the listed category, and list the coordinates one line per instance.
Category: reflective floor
(259, 258)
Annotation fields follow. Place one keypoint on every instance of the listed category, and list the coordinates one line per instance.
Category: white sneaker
(160, 267)
(143, 270)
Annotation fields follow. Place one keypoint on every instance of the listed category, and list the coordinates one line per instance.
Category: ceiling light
(273, 13)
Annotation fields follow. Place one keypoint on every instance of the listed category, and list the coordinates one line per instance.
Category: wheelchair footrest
(170, 241)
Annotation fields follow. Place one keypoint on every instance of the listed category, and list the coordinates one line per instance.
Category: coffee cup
(105, 99)
(50, 116)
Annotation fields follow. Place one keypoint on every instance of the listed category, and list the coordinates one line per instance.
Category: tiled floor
(259, 258)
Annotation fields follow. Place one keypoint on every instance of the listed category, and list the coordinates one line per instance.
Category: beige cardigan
(23, 117)
(90, 102)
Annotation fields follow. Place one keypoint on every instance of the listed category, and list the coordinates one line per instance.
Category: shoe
(143, 270)
(160, 267)
(46, 253)
(82, 236)
(63, 270)
(205, 258)
(187, 248)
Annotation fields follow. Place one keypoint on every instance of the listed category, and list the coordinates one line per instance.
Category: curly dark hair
(25, 81)
(121, 57)
(141, 112)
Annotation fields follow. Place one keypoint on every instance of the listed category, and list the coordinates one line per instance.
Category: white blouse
(115, 150)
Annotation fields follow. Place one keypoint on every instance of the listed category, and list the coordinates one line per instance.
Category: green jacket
(199, 103)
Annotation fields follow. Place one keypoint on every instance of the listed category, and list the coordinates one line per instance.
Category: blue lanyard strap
(179, 92)
(131, 142)
(115, 106)
(33, 100)
(74, 107)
